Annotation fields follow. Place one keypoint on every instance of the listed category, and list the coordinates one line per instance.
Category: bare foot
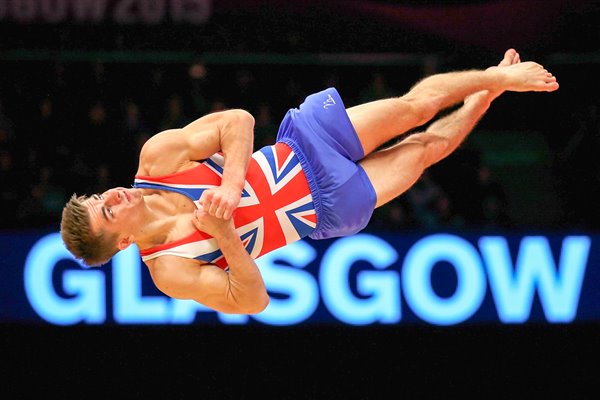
(511, 57)
(525, 76)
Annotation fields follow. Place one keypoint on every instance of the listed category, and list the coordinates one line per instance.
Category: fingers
(195, 220)
(217, 204)
(219, 208)
(205, 199)
(216, 227)
(210, 203)
(212, 209)
(228, 213)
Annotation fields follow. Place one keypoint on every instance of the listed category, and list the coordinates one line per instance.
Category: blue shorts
(321, 134)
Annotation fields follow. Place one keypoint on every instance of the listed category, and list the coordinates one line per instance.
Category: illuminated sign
(358, 280)
(124, 12)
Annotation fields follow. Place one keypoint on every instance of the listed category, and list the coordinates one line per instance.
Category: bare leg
(394, 170)
(379, 121)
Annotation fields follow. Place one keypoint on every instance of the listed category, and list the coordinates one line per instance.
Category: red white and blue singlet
(308, 184)
(276, 207)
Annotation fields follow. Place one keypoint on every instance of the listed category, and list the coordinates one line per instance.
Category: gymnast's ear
(125, 242)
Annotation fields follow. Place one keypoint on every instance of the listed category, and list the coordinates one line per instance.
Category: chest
(178, 208)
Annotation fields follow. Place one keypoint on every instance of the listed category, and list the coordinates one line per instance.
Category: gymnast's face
(116, 211)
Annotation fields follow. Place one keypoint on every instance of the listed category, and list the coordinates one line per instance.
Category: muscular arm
(240, 290)
(230, 132)
(236, 141)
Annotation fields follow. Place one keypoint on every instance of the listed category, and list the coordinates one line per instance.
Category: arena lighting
(379, 289)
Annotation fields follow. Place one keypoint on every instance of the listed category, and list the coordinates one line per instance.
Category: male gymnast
(203, 206)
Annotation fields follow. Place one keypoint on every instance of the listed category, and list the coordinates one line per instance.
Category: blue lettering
(300, 286)
(514, 280)
(416, 279)
(382, 287)
(559, 289)
(130, 307)
(88, 303)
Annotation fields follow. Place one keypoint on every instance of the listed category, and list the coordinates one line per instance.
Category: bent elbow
(264, 304)
(243, 115)
(257, 306)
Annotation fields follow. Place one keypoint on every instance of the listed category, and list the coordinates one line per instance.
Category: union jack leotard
(276, 207)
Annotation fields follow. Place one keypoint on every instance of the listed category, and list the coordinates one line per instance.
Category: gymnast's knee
(432, 148)
(424, 103)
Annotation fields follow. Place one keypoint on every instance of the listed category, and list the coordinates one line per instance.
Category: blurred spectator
(102, 180)
(158, 91)
(394, 216)
(43, 205)
(293, 95)
(492, 200)
(245, 92)
(8, 144)
(446, 216)
(265, 129)
(423, 198)
(100, 85)
(199, 88)
(95, 140)
(97, 132)
(577, 165)
(376, 89)
(174, 116)
(48, 138)
(217, 104)
(10, 194)
(61, 92)
(7, 131)
(30, 211)
(132, 122)
(333, 80)
(134, 131)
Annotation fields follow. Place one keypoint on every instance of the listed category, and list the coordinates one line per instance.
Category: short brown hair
(94, 249)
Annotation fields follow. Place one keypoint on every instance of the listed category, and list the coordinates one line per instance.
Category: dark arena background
(482, 280)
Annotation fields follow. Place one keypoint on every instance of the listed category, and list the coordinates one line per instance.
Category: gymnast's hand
(220, 201)
(216, 227)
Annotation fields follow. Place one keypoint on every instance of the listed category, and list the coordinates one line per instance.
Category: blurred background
(83, 84)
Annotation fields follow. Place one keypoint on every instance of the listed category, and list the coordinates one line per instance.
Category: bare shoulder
(163, 153)
(218, 118)
(172, 150)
